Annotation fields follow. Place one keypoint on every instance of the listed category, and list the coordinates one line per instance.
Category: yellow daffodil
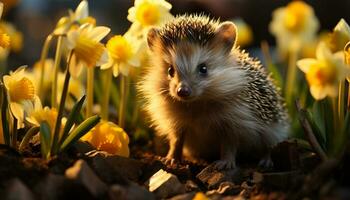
(293, 26)
(43, 114)
(109, 137)
(20, 94)
(86, 47)
(4, 38)
(340, 36)
(122, 55)
(324, 73)
(148, 13)
(79, 16)
(38, 115)
(245, 33)
(15, 36)
(75, 88)
(200, 196)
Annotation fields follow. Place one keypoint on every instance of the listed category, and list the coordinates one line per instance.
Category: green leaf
(319, 119)
(72, 118)
(45, 139)
(80, 131)
(4, 116)
(316, 129)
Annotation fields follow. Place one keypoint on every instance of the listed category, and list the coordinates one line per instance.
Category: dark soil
(297, 174)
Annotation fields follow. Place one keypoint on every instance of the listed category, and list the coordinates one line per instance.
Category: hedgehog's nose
(183, 91)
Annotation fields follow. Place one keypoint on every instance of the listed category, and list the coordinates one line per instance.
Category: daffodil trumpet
(58, 57)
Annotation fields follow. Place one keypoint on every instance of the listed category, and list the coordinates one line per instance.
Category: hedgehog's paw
(169, 161)
(225, 164)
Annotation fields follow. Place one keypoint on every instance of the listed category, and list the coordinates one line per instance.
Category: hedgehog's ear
(226, 34)
(152, 37)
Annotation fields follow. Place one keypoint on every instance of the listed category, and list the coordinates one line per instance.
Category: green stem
(291, 76)
(90, 91)
(341, 96)
(30, 133)
(4, 116)
(58, 57)
(14, 133)
(124, 86)
(106, 95)
(56, 132)
(44, 53)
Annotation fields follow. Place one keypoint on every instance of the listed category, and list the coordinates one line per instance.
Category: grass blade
(80, 131)
(72, 118)
(45, 139)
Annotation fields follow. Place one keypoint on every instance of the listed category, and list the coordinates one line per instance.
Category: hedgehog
(208, 98)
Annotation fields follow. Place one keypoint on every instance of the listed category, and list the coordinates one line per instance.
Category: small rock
(278, 180)
(285, 156)
(212, 177)
(16, 190)
(191, 186)
(165, 185)
(57, 187)
(226, 188)
(115, 169)
(186, 196)
(82, 173)
(82, 147)
(130, 192)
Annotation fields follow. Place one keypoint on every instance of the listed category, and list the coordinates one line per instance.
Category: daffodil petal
(305, 64)
(115, 70)
(124, 69)
(72, 37)
(134, 61)
(331, 90)
(75, 67)
(322, 52)
(104, 58)
(131, 14)
(318, 92)
(37, 103)
(343, 28)
(7, 80)
(98, 33)
(82, 10)
(17, 110)
(107, 65)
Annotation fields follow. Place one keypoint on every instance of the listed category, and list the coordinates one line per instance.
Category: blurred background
(36, 18)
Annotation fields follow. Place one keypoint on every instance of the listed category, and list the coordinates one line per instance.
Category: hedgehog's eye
(202, 68)
(171, 71)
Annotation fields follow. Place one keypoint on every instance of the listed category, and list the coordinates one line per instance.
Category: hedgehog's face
(190, 70)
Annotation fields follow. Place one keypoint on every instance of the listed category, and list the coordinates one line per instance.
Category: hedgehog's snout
(183, 90)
